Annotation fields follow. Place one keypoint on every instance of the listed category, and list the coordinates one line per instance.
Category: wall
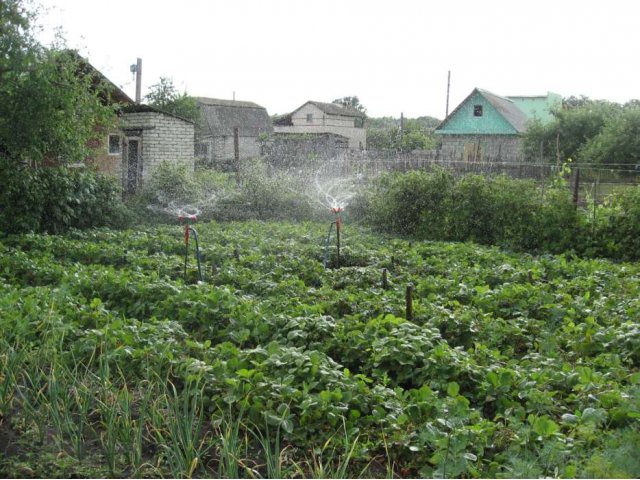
(164, 138)
(221, 150)
(299, 118)
(495, 148)
(296, 150)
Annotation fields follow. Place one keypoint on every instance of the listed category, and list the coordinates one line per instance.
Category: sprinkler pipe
(338, 223)
(188, 232)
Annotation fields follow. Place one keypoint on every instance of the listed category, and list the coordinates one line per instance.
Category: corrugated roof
(220, 117)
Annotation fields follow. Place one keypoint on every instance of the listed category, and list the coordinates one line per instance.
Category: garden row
(114, 364)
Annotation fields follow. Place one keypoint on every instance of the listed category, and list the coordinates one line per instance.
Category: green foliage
(265, 195)
(618, 142)
(616, 226)
(51, 105)
(417, 134)
(493, 211)
(56, 199)
(114, 365)
(575, 130)
(351, 102)
(165, 97)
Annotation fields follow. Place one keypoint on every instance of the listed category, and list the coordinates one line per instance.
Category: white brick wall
(164, 138)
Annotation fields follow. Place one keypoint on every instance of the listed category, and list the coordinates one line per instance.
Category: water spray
(338, 223)
(188, 231)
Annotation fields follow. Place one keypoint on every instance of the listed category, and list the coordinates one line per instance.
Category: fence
(588, 182)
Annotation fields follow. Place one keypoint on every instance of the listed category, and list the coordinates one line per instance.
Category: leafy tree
(351, 102)
(51, 106)
(165, 96)
(618, 142)
(385, 134)
(578, 121)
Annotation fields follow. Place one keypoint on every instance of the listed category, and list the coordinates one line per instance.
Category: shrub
(54, 200)
(413, 203)
(263, 195)
(615, 231)
(488, 210)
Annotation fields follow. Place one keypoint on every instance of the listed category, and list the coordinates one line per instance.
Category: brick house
(488, 127)
(143, 137)
(319, 117)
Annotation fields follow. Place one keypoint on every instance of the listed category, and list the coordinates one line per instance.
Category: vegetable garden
(113, 364)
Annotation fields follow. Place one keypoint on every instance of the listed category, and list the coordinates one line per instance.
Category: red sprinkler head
(188, 217)
(337, 210)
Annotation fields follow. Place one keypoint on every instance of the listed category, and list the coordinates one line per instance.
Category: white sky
(393, 54)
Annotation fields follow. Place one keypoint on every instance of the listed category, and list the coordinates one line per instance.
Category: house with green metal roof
(488, 127)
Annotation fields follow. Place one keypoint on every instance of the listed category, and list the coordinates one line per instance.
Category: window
(477, 110)
(114, 145)
(201, 149)
(309, 117)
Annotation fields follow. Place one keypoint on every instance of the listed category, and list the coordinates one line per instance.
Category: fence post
(409, 302)
(576, 187)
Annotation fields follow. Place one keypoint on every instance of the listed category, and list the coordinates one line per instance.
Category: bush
(54, 200)
(615, 230)
(413, 203)
(487, 210)
(265, 196)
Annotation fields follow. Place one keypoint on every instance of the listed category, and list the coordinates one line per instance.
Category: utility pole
(448, 88)
(138, 80)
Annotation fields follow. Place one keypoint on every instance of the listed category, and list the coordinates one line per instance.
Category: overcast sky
(393, 54)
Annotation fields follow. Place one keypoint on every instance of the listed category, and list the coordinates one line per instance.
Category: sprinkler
(188, 231)
(338, 223)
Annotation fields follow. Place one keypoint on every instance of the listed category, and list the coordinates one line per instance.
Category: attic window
(309, 117)
(114, 144)
(477, 110)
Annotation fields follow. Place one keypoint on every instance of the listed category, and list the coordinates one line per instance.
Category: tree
(578, 121)
(618, 142)
(164, 96)
(50, 105)
(351, 102)
(385, 134)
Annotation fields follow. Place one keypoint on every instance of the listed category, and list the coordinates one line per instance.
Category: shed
(219, 120)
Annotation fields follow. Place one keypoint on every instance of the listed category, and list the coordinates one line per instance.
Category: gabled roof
(116, 94)
(219, 117)
(334, 109)
(508, 109)
(516, 111)
(217, 102)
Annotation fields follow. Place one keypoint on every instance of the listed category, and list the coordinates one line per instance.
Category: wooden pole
(385, 280)
(576, 187)
(409, 302)
(236, 152)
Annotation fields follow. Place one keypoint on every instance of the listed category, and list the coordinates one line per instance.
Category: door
(134, 166)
